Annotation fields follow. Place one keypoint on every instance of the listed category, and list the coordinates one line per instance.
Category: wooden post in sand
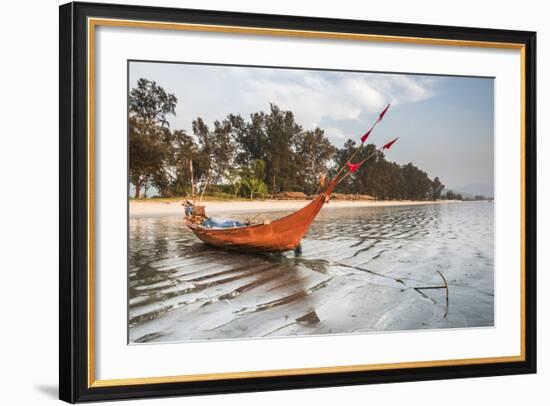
(192, 181)
(205, 185)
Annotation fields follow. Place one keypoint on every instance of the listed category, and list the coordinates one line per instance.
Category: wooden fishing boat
(283, 234)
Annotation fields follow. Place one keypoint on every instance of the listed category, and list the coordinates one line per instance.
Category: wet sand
(150, 208)
(361, 270)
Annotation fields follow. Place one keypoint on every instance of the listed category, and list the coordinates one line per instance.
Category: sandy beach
(361, 269)
(158, 208)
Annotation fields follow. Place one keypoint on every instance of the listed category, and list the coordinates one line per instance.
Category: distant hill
(473, 189)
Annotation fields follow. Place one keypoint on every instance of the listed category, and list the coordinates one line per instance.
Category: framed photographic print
(257, 202)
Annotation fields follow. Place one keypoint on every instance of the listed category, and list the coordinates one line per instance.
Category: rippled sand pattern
(357, 273)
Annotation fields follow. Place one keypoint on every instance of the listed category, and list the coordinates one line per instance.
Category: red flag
(381, 116)
(389, 144)
(353, 167)
(365, 136)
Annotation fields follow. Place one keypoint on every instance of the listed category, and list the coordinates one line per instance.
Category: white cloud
(212, 92)
(333, 132)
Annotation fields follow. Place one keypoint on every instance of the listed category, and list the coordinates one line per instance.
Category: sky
(444, 123)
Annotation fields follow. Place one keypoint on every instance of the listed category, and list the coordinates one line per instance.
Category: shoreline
(174, 208)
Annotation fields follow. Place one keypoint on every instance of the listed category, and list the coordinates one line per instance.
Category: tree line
(264, 154)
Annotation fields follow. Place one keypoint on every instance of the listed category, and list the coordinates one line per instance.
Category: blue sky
(445, 124)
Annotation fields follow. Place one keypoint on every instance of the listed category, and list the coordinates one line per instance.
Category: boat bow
(279, 235)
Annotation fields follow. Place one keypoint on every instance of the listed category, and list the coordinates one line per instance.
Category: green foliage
(149, 106)
(383, 179)
(269, 137)
(268, 153)
(450, 195)
(180, 164)
(252, 178)
(313, 155)
(235, 181)
(437, 188)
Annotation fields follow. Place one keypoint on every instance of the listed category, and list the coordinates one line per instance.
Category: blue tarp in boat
(222, 223)
(189, 210)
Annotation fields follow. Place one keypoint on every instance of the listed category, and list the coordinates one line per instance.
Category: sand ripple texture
(360, 271)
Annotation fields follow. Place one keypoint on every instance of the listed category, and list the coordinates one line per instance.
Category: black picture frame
(73, 227)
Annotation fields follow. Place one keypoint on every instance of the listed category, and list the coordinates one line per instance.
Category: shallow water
(361, 270)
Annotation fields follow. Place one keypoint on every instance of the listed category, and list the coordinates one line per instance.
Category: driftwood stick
(446, 287)
(418, 289)
(368, 271)
(446, 294)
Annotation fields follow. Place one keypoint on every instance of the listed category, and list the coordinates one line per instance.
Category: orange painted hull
(280, 235)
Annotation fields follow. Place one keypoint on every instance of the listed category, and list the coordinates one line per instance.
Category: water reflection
(357, 272)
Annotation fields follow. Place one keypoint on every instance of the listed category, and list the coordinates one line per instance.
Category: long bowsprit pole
(363, 139)
(386, 146)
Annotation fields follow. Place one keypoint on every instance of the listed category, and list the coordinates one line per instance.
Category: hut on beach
(291, 196)
(350, 196)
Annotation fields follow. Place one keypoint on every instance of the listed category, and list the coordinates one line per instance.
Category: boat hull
(283, 234)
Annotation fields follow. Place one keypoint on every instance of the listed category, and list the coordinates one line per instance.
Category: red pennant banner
(389, 144)
(353, 167)
(383, 113)
(365, 136)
